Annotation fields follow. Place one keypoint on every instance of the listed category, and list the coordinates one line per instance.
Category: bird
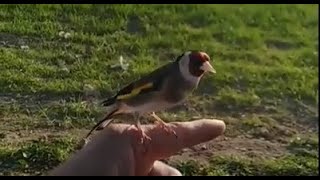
(161, 89)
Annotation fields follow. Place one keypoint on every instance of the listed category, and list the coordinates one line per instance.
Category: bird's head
(195, 64)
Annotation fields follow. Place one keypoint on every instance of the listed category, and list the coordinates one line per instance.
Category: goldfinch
(163, 88)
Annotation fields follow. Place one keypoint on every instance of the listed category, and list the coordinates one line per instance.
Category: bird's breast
(176, 91)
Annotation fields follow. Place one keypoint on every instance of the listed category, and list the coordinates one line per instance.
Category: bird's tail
(104, 122)
(109, 101)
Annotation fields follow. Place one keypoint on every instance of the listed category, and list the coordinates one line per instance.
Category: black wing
(148, 83)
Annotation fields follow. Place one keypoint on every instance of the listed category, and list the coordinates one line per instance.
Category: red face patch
(196, 60)
(204, 56)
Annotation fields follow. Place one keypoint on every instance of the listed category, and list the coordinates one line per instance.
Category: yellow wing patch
(135, 91)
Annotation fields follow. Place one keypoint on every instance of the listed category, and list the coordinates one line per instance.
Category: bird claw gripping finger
(140, 134)
(143, 137)
(166, 128)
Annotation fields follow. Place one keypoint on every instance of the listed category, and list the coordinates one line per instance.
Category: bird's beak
(206, 67)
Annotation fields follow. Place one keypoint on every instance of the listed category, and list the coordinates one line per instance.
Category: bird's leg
(141, 134)
(162, 124)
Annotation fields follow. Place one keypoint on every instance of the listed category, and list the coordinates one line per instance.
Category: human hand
(115, 152)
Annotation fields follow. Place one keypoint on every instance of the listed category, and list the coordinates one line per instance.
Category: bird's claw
(166, 128)
(144, 140)
(142, 137)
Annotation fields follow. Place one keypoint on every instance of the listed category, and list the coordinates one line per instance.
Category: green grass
(238, 166)
(266, 57)
(35, 157)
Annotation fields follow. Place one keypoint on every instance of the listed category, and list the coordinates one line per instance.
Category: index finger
(189, 134)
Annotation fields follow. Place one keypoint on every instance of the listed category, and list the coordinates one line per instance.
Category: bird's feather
(135, 91)
(149, 83)
(103, 122)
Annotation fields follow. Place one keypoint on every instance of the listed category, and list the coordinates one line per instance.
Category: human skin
(116, 151)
